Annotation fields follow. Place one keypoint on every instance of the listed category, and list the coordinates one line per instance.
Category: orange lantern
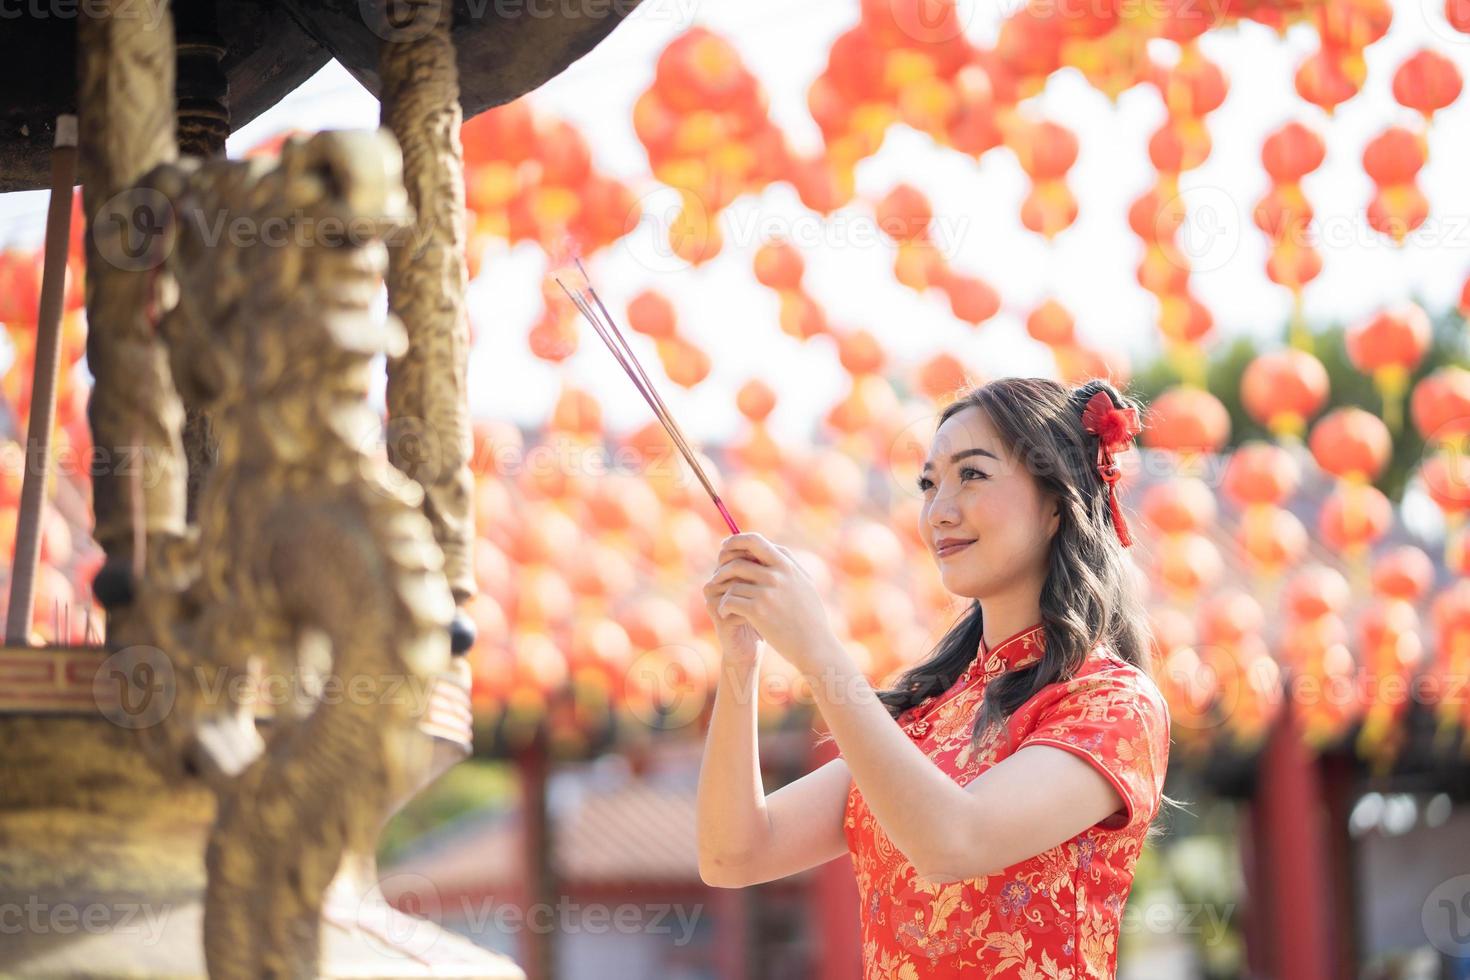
(1351, 444)
(971, 298)
(1261, 473)
(1187, 420)
(1404, 572)
(1273, 538)
(1292, 152)
(1440, 406)
(1180, 505)
(779, 266)
(904, 214)
(1427, 82)
(755, 399)
(1051, 324)
(1353, 517)
(1388, 346)
(1283, 389)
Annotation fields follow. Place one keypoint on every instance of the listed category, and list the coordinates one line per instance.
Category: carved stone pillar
(428, 403)
(125, 96)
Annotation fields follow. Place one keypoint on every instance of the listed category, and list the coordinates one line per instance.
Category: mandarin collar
(1016, 650)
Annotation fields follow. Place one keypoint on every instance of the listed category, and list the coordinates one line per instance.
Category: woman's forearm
(731, 803)
(919, 807)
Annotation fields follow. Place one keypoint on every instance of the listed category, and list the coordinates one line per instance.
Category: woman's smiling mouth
(949, 546)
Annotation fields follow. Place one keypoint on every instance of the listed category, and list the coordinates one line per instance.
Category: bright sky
(1090, 267)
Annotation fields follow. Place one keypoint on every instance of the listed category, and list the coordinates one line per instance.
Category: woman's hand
(760, 583)
(739, 641)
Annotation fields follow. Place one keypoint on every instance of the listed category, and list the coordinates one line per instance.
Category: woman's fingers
(753, 544)
(739, 570)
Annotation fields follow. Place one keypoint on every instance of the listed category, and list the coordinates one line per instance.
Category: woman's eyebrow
(963, 454)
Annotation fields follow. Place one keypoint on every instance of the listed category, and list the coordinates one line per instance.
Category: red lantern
(971, 298)
(1045, 150)
(1329, 78)
(1351, 444)
(779, 265)
(1354, 516)
(860, 352)
(1187, 420)
(1292, 152)
(1188, 564)
(1428, 82)
(755, 399)
(1395, 156)
(1051, 324)
(904, 214)
(1283, 389)
(1404, 572)
(941, 376)
(1261, 473)
(1179, 505)
(650, 313)
(1316, 591)
(1228, 617)
(1446, 476)
(1440, 405)
(1272, 537)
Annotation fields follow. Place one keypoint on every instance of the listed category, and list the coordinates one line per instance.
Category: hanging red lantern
(1051, 324)
(755, 399)
(904, 214)
(860, 352)
(1179, 505)
(1457, 12)
(684, 363)
(651, 314)
(1157, 219)
(576, 412)
(1404, 572)
(1388, 346)
(1273, 538)
(1395, 156)
(1427, 82)
(1353, 517)
(971, 299)
(1328, 78)
(1283, 389)
(1440, 405)
(1446, 477)
(1351, 444)
(941, 376)
(778, 265)
(1187, 420)
(1353, 25)
(1292, 152)
(1261, 473)
(1188, 564)
(1316, 591)
(1228, 617)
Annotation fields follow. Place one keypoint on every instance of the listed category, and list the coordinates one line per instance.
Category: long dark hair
(1088, 596)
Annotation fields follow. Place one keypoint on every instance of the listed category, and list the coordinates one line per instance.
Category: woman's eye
(925, 483)
(969, 472)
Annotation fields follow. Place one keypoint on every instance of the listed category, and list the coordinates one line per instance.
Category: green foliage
(1227, 362)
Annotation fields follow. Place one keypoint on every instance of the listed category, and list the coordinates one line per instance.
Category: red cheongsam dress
(1056, 915)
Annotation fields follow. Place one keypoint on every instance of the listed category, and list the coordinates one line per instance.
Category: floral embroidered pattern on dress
(1055, 915)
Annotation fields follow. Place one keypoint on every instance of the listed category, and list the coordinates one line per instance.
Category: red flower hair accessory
(1115, 428)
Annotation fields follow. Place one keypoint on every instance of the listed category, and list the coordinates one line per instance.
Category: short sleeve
(1116, 720)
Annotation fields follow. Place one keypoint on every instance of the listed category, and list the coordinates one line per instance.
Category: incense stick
(607, 329)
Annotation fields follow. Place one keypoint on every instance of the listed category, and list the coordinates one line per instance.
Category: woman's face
(976, 492)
